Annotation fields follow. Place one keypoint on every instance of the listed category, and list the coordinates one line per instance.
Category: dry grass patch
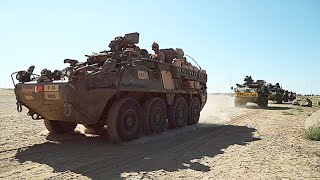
(288, 113)
(313, 133)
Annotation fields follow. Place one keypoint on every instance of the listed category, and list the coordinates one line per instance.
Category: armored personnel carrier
(286, 96)
(251, 91)
(292, 96)
(121, 89)
(277, 94)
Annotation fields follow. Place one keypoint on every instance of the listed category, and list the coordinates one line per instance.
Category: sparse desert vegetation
(313, 133)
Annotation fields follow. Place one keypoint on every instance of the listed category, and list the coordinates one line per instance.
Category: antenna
(193, 60)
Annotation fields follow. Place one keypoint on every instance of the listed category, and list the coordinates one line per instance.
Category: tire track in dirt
(96, 164)
(170, 148)
(75, 155)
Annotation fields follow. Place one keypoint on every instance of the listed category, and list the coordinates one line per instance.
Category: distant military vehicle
(286, 96)
(292, 96)
(251, 91)
(122, 89)
(276, 93)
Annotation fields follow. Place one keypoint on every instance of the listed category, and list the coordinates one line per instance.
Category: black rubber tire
(194, 111)
(238, 103)
(59, 127)
(117, 128)
(279, 101)
(263, 103)
(94, 129)
(155, 116)
(178, 113)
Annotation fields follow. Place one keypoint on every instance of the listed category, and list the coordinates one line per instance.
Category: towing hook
(19, 106)
(67, 109)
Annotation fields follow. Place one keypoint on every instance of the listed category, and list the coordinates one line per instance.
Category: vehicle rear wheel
(155, 113)
(59, 127)
(194, 111)
(124, 121)
(178, 113)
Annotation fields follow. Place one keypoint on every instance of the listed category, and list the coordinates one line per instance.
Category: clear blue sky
(275, 40)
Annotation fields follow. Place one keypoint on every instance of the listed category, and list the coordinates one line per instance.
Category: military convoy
(251, 91)
(258, 92)
(122, 89)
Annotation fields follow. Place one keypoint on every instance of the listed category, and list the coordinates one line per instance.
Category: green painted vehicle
(122, 90)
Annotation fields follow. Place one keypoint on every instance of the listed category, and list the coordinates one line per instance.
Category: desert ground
(228, 143)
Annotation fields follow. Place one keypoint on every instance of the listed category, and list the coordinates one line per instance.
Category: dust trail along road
(225, 134)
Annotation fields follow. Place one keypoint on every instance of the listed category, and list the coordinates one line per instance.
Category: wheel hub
(195, 111)
(129, 120)
(158, 117)
(181, 113)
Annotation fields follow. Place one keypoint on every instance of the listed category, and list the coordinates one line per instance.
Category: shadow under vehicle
(251, 91)
(121, 89)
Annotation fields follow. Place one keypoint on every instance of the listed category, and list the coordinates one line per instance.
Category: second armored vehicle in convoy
(277, 94)
(292, 96)
(121, 89)
(251, 91)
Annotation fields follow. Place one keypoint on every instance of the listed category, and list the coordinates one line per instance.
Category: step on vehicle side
(251, 91)
(122, 89)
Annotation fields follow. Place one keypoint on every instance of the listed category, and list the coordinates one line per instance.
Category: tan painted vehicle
(251, 91)
(277, 94)
(121, 89)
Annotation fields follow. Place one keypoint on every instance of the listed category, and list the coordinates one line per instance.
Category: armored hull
(119, 90)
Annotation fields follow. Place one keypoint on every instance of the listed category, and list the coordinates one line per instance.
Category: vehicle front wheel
(263, 102)
(124, 121)
(59, 127)
(238, 103)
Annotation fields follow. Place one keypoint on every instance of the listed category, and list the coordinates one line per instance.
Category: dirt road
(228, 143)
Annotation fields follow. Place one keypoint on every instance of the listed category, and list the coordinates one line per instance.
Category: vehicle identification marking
(27, 88)
(143, 74)
(28, 96)
(52, 95)
(51, 88)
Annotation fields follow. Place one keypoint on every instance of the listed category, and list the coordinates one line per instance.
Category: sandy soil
(228, 143)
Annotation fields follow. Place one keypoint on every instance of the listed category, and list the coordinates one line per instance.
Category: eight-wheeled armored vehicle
(277, 94)
(121, 89)
(251, 91)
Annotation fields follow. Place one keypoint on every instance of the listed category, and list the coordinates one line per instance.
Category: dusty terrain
(228, 143)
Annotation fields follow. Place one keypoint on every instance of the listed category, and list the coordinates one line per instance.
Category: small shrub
(287, 113)
(317, 153)
(313, 133)
(300, 109)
